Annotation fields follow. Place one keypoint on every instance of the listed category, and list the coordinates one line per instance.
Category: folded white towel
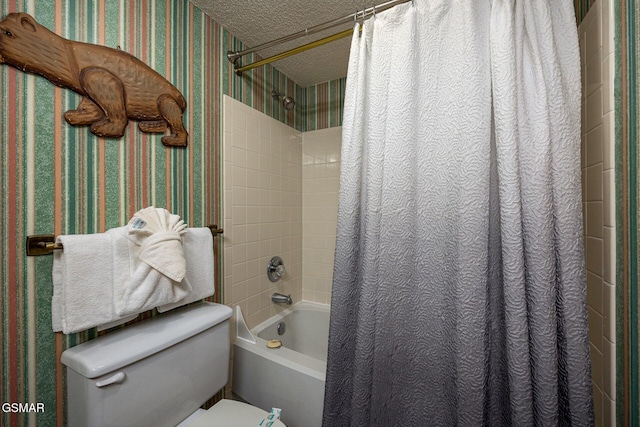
(137, 286)
(158, 232)
(83, 284)
(198, 251)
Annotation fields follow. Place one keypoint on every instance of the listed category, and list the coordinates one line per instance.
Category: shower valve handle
(275, 269)
(279, 270)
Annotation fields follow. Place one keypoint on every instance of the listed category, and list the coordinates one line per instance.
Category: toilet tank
(154, 373)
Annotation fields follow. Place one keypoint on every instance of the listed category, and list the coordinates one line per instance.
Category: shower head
(287, 102)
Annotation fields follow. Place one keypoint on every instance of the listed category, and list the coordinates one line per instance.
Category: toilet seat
(231, 413)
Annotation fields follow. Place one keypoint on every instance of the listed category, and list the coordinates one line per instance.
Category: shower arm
(234, 56)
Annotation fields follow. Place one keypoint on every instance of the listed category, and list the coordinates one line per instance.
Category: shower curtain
(459, 292)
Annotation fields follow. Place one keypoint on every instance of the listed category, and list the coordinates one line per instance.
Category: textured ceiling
(258, 21)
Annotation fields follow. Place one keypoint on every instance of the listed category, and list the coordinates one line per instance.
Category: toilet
(158, 372)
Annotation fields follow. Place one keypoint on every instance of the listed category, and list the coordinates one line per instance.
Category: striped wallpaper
(627, 128)
(324, 105)
(60, 179)
(627, 95)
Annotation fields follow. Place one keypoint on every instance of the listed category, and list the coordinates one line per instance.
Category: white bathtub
(292, 377)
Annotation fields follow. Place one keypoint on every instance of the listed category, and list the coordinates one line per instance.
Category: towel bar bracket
(215, 230)
(45, 244)
(42, 244)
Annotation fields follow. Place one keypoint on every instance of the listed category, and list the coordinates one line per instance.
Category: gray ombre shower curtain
(459, 292)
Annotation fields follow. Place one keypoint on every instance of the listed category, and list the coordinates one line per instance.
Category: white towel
(99, 279)
(83, 284)
(198, 252)
(158, 232)
(137, 286)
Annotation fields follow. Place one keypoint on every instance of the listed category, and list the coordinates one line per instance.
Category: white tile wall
(598, 180)
(280, 198)
(262, 182)
(320, 185)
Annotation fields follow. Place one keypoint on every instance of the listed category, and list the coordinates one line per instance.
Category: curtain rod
(234, 56)
(294, 51)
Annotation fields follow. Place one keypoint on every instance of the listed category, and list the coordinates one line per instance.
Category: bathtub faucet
(279, 298)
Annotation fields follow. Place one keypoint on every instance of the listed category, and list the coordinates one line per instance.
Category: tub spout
(279, 298)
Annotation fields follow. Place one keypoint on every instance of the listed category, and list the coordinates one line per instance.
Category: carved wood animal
(115, 85)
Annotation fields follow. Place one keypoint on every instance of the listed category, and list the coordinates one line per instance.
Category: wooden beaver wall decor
(115, 85)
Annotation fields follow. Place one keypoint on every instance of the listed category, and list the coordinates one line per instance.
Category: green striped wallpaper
(324, 105)
(60, 179)
(627, 129)
(627, 96)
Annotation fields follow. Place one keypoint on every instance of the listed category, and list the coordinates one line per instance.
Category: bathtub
(292, 377)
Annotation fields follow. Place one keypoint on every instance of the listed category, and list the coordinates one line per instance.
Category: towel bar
(45, 244)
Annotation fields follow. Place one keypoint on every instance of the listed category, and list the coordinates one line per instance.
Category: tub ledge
(242, 330)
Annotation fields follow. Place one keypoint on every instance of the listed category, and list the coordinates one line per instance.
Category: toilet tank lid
(128, 345)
